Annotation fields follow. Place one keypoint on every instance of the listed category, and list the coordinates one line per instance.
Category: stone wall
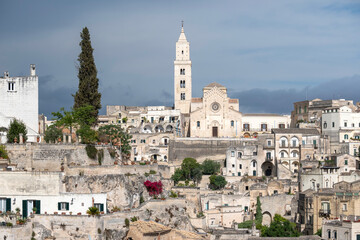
(30, 183)
(277, 204)
(200, 149)
(50, 157)
(19, 232)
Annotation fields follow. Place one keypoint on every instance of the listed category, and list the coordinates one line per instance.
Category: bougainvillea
(154, 188)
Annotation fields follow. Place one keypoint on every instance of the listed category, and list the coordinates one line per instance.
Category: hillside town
(199, 169)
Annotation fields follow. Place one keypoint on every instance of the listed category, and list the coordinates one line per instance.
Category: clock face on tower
(215, 106)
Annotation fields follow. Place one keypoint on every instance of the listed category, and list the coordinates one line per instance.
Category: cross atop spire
(182, 34)
(182, 23)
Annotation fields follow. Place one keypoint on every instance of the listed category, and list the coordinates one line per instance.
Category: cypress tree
(87, 93)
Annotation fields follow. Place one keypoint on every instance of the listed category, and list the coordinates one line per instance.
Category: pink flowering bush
(154, 188)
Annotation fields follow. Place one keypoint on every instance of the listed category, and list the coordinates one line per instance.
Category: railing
(324, 212)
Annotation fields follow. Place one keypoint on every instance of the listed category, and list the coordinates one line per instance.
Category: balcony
(324, 212)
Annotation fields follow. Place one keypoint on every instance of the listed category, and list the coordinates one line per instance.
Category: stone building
(19, 99)
(327, 203)
(310, 111)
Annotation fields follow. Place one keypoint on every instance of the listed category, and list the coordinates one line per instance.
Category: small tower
(32, 70)
(182, 74)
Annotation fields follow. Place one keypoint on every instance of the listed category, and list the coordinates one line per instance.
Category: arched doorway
(268, 169)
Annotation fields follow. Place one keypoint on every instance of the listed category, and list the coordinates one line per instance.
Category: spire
(182, 34)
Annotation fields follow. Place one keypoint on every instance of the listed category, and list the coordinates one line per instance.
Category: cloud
(260, 100)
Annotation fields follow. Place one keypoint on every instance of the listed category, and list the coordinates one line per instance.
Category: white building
(45, 192)
(341, 229)
(342, 125)
(19, 100)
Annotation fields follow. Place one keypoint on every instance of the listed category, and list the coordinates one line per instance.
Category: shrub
(173, 194)
(181, 185)
(99, 231)
(3, 152)
(9, 224)
(16, 127)
(91, 151)
(142, 200)
(210, 167)
(116, 209)
(134, 219)
(200, 214)
(127, 222)
(52, 134)
(142, 163)
(93, 211)
(112, 152)
(152, 172)
(154, 188)
(100, 156)
(217, 182)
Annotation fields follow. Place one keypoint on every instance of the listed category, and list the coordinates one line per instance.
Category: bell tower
(182, 74)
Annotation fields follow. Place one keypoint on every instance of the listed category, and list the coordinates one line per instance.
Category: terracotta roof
(214, 84)
(233, 100)
(149, 227)
(194, 100)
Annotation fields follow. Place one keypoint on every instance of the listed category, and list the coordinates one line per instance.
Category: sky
(268, 54)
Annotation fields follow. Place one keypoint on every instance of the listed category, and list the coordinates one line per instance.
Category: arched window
(182, 83)
(283, 142)
(294, 141)
(253, 163)
(165, 158)
(239, 154)
(182, 96)
(329, 234)
(335, 234)
(232, 123)
(182, 71)
(346, 136)
(325, 125)
(198, 123)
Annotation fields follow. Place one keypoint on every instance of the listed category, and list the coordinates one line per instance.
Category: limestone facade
(19, 99)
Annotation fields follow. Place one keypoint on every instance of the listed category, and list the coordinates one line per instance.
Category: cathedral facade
(214, 114)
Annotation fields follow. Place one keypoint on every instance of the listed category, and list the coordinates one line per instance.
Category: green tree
(15, 128)
(188, 165)
(115, 134)
(3, 152)
(210, 167)
(52, 134)
(177, 176)
(80, 118)
(258, 216)
(87, 93)
(64, 119)
(217, 182)
(280, 227)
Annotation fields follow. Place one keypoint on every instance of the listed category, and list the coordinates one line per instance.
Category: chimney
(6, 74)
(32, 70)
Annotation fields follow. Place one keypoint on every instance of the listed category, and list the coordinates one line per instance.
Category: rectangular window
(11, 86)
(344, 207)
(233, 153)
(269, 143)
(254, 153)
(333, 124)
(63, 206)
(99, 206)
(346, 162)
(264, 127)
(152, 119)
(240, 166)
(239, 154)
(239, 174)
(246, 127)
(294, 143)
(142, 141)
(281, 125)
(345, 124)
(3, 205)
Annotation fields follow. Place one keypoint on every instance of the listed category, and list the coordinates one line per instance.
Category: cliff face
(124, 190)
